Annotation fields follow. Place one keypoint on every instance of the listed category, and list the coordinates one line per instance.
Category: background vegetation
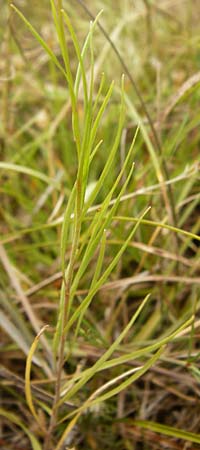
(80, 249)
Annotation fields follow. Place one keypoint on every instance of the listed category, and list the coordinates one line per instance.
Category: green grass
(99, 225)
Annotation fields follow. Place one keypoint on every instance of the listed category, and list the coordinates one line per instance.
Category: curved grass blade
(78, 54)
(106, 396)
(39, 39)
(161, 225)
(14, 419)
(146, 350)
(83, 53)
(16, 335)
(125, 358)
(100, 114)
(17, 318)
(124, 384)
(111, 157)
(96, 275)
(167, 430)
(97, 227)
(86, 302)
(58, 21)
(85, 377)
(28, 171)
(28, 373)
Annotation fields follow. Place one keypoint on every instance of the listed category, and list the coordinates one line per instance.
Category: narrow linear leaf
(28, 373)
(110, 159)
(95, 276)
(104, 277)
(100, 113)
(16, 335)
(167, 430)
(83, 53)
(96, 229)
(125, 358)
(14, 419)
(59, 24)
(146, 350)
(161, 225)
(91, 372)
(28, 171)
(130, 380)
(39, 39)
(78, 53)
(92, 402)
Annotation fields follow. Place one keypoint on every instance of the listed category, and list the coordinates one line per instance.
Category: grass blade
(97, 366)
(14, 419)
(28, 373)
(167, 430)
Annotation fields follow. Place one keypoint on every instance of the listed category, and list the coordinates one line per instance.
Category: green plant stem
(67, 280)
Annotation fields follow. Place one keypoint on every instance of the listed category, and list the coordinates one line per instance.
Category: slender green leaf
(14, 419)
(28, 171)
(39, 39)
(167, 430)
(91, 372)
(79, 55)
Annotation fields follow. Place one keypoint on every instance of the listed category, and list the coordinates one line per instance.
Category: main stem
(67, 282)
